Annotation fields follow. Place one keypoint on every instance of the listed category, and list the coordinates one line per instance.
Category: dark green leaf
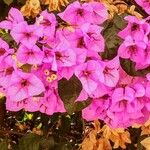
(119, 21)
(128, 66)
(30, 142)
(112, 41)
(69, 90)
(47, 144)
(81, 105)
(6, 37)
(63, 146)
(14, 146)
(8, 2)
(4, 145)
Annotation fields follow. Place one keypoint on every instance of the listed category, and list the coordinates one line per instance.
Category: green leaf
(119, 21)
(30, 142)
(128, 66)
(8, 2)
(63, 146)
(112, 41)
(69, 90)
(47, 144)
(81, 105)
(6, 36)
(39, 126)
(36, 142)
(4, 145)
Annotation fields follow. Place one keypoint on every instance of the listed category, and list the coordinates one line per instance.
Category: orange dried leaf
(87, 144)
(146, 128)
(97, 125)
(114, 7)
(103, 144)
(132, 11)
(92, 136)
(106, 131)
(90, 141)
(146, 143)
(120, 139)
(118, 136)
(31, 8)
(55, 5)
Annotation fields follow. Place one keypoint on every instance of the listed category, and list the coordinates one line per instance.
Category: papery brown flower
(145, 128)
(133, 12)
(93, 142)
(146, 143)
(90, 141)
(31, 8)
(55, 5)
(119, 7)
(99, 138)
(112, 7)
(44, 2)
(120, 137)
(103, 144)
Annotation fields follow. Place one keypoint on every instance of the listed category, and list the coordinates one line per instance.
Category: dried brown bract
(31, 8)
(146, 143)
(120, 137)
(99, 138)
(55, 5)
(145, 128)
(119, 7)
(114, 6)
(133, 12)
(92, 142)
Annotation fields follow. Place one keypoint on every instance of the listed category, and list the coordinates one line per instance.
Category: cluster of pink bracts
(55, 52)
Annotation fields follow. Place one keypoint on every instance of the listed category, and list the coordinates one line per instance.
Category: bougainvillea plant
(83, 58)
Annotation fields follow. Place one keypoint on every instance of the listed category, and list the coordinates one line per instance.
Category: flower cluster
(136, 43)
(127, 102)
(47, 51)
